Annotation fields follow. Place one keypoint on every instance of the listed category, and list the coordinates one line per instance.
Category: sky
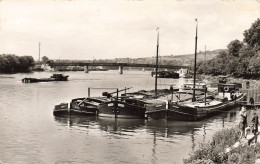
(99, 29)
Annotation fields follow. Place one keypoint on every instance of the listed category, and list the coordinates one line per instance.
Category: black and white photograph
(129, 81)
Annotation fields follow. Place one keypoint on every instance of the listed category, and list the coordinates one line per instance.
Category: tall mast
(156, 68)
(194, 80)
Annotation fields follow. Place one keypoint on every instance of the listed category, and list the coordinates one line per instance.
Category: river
(31, 134)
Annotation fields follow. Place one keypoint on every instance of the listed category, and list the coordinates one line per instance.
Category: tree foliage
(234, 47)
(252, 35)
(45, 59)
(11, 63)
(241, 59)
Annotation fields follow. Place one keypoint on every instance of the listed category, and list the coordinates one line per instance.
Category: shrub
(214, 151)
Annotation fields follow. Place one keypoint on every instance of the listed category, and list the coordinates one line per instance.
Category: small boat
(54, 77)
(166, 74)
(80, 106)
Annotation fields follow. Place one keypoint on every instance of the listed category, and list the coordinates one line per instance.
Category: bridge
(120, 65)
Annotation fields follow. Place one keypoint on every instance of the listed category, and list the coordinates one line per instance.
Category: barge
(54, 77)
(79, 106)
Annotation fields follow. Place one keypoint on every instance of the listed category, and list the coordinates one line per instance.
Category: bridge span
(120, 65)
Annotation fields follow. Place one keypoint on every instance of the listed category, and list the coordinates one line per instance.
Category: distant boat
(166, 74)
(54, 77)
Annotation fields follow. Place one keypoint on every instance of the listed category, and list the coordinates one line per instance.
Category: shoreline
(226, 147)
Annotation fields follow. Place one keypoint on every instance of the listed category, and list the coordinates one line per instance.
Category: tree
(252, 35)
(254, 64)
(241, 59)
(234, 47)
(45, 59)
(11, 63)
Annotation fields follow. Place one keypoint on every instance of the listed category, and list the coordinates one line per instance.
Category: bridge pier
(120, 69)
(143, 69)
(86, 69)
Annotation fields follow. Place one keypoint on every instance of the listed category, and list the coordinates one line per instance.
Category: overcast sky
(87, 29)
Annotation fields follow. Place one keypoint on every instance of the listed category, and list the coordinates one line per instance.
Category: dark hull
(58, 111)
(68, 111)
(54, 77)
(79, 106)
(185, 113)
(33, 80)
(166, 74)
(158, 114)
(123, 110)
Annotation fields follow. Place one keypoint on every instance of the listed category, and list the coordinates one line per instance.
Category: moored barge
(79, 106)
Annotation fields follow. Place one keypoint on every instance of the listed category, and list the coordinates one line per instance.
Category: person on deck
(243, 122)
(251, 101)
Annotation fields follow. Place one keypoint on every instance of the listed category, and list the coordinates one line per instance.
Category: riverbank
(215, 151)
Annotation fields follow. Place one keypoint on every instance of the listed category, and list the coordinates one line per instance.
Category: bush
(214, 151)
(243, 154)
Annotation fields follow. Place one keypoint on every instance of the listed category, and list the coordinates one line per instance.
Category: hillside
(185, 60)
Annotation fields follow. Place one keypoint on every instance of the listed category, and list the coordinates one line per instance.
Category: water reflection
(115, 125)
(158, 136)
(112, 125)
(161, 128)
(167, 131)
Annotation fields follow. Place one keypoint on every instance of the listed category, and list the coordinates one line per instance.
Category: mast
(195, 58)
(156, 68)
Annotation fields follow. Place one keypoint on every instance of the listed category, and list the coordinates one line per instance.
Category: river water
(29, 133)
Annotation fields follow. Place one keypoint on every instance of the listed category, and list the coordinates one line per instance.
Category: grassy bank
(214, 151)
